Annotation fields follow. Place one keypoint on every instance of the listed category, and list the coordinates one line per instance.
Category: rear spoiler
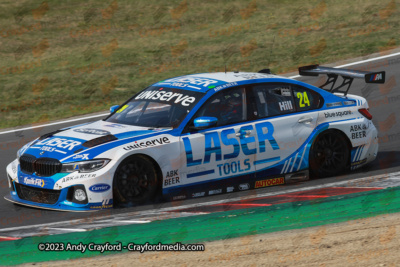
(347, 75)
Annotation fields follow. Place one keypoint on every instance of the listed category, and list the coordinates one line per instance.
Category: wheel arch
(156, 166)
(345, 138)
(158, 170)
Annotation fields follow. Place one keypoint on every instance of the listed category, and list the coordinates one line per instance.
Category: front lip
(57, 207)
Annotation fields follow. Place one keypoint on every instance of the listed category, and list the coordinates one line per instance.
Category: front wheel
(135, 181)
(329, 154)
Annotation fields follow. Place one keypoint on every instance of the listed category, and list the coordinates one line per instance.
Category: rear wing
(347, 75)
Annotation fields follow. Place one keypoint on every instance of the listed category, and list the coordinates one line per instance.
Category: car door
(223, 154)
(287, 116)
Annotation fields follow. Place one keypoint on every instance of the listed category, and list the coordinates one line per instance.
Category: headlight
(85, 166)
(18, 155)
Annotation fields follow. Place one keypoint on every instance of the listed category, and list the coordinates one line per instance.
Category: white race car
(199, 135)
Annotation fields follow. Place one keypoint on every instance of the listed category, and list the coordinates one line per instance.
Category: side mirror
(114, 108)
(204, 122)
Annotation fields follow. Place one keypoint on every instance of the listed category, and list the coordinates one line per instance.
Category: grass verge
(210, 227)
(67, 58)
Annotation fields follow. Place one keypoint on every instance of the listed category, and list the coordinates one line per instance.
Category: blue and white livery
(198, 135)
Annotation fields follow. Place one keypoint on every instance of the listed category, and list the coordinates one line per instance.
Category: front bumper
(62, 204)
(46, 195)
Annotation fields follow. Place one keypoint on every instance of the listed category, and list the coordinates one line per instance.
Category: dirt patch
(366, 242)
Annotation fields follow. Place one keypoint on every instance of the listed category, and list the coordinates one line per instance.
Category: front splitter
(9, 198)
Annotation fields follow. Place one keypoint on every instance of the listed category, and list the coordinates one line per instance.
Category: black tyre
(135, 181)
(329, 154)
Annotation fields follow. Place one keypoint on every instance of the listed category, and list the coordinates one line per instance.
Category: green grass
(210, 227)
(90, 55)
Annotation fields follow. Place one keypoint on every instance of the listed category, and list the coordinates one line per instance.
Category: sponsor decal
(102, 207)
(230, 189)
(97, 188)
(214, 192)
(250, 76)
(200, 194)
(49, 149)
(337, 114)
(172, 173)
(269, 182)
(358, 131)
(192, 82)
(264, 131)
(92, 131)
(244, 187)
(358, 127)
(216, 89)
(150, 143)
(116, 125)
(79, 176)
(122, 109)
(58, 143)
(34, 181)
(106, 201)
(177, 98)
(357, 163)
(285, 105)
(377, 77)
(82, 156)
(178, 197)
(286, 92)
(348, 103)
(172, 178)
(335, 104)
(234, 167)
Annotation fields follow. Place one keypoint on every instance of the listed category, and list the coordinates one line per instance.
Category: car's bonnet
(63, 144)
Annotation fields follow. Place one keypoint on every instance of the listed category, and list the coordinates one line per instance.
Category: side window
(228, 106)
(306, 99)
(273, 99)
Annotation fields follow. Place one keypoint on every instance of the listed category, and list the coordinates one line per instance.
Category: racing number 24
(303, 99)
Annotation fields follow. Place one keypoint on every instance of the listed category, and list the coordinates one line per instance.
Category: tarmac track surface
(384, 101)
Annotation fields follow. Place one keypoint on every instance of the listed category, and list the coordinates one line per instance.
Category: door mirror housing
(114, 108)
(204, 122)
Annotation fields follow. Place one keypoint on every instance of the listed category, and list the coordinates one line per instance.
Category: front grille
(46, 166)
(26, 163)
(39, 195)
(41, 166)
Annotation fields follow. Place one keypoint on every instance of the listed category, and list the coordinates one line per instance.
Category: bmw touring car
(199, 135)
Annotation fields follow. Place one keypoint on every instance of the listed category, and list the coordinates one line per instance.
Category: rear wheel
(135, 181)
(329, 154)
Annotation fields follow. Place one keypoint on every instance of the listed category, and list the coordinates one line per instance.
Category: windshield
(157, 107)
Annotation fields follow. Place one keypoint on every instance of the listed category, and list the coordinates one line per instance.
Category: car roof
(203, 82)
